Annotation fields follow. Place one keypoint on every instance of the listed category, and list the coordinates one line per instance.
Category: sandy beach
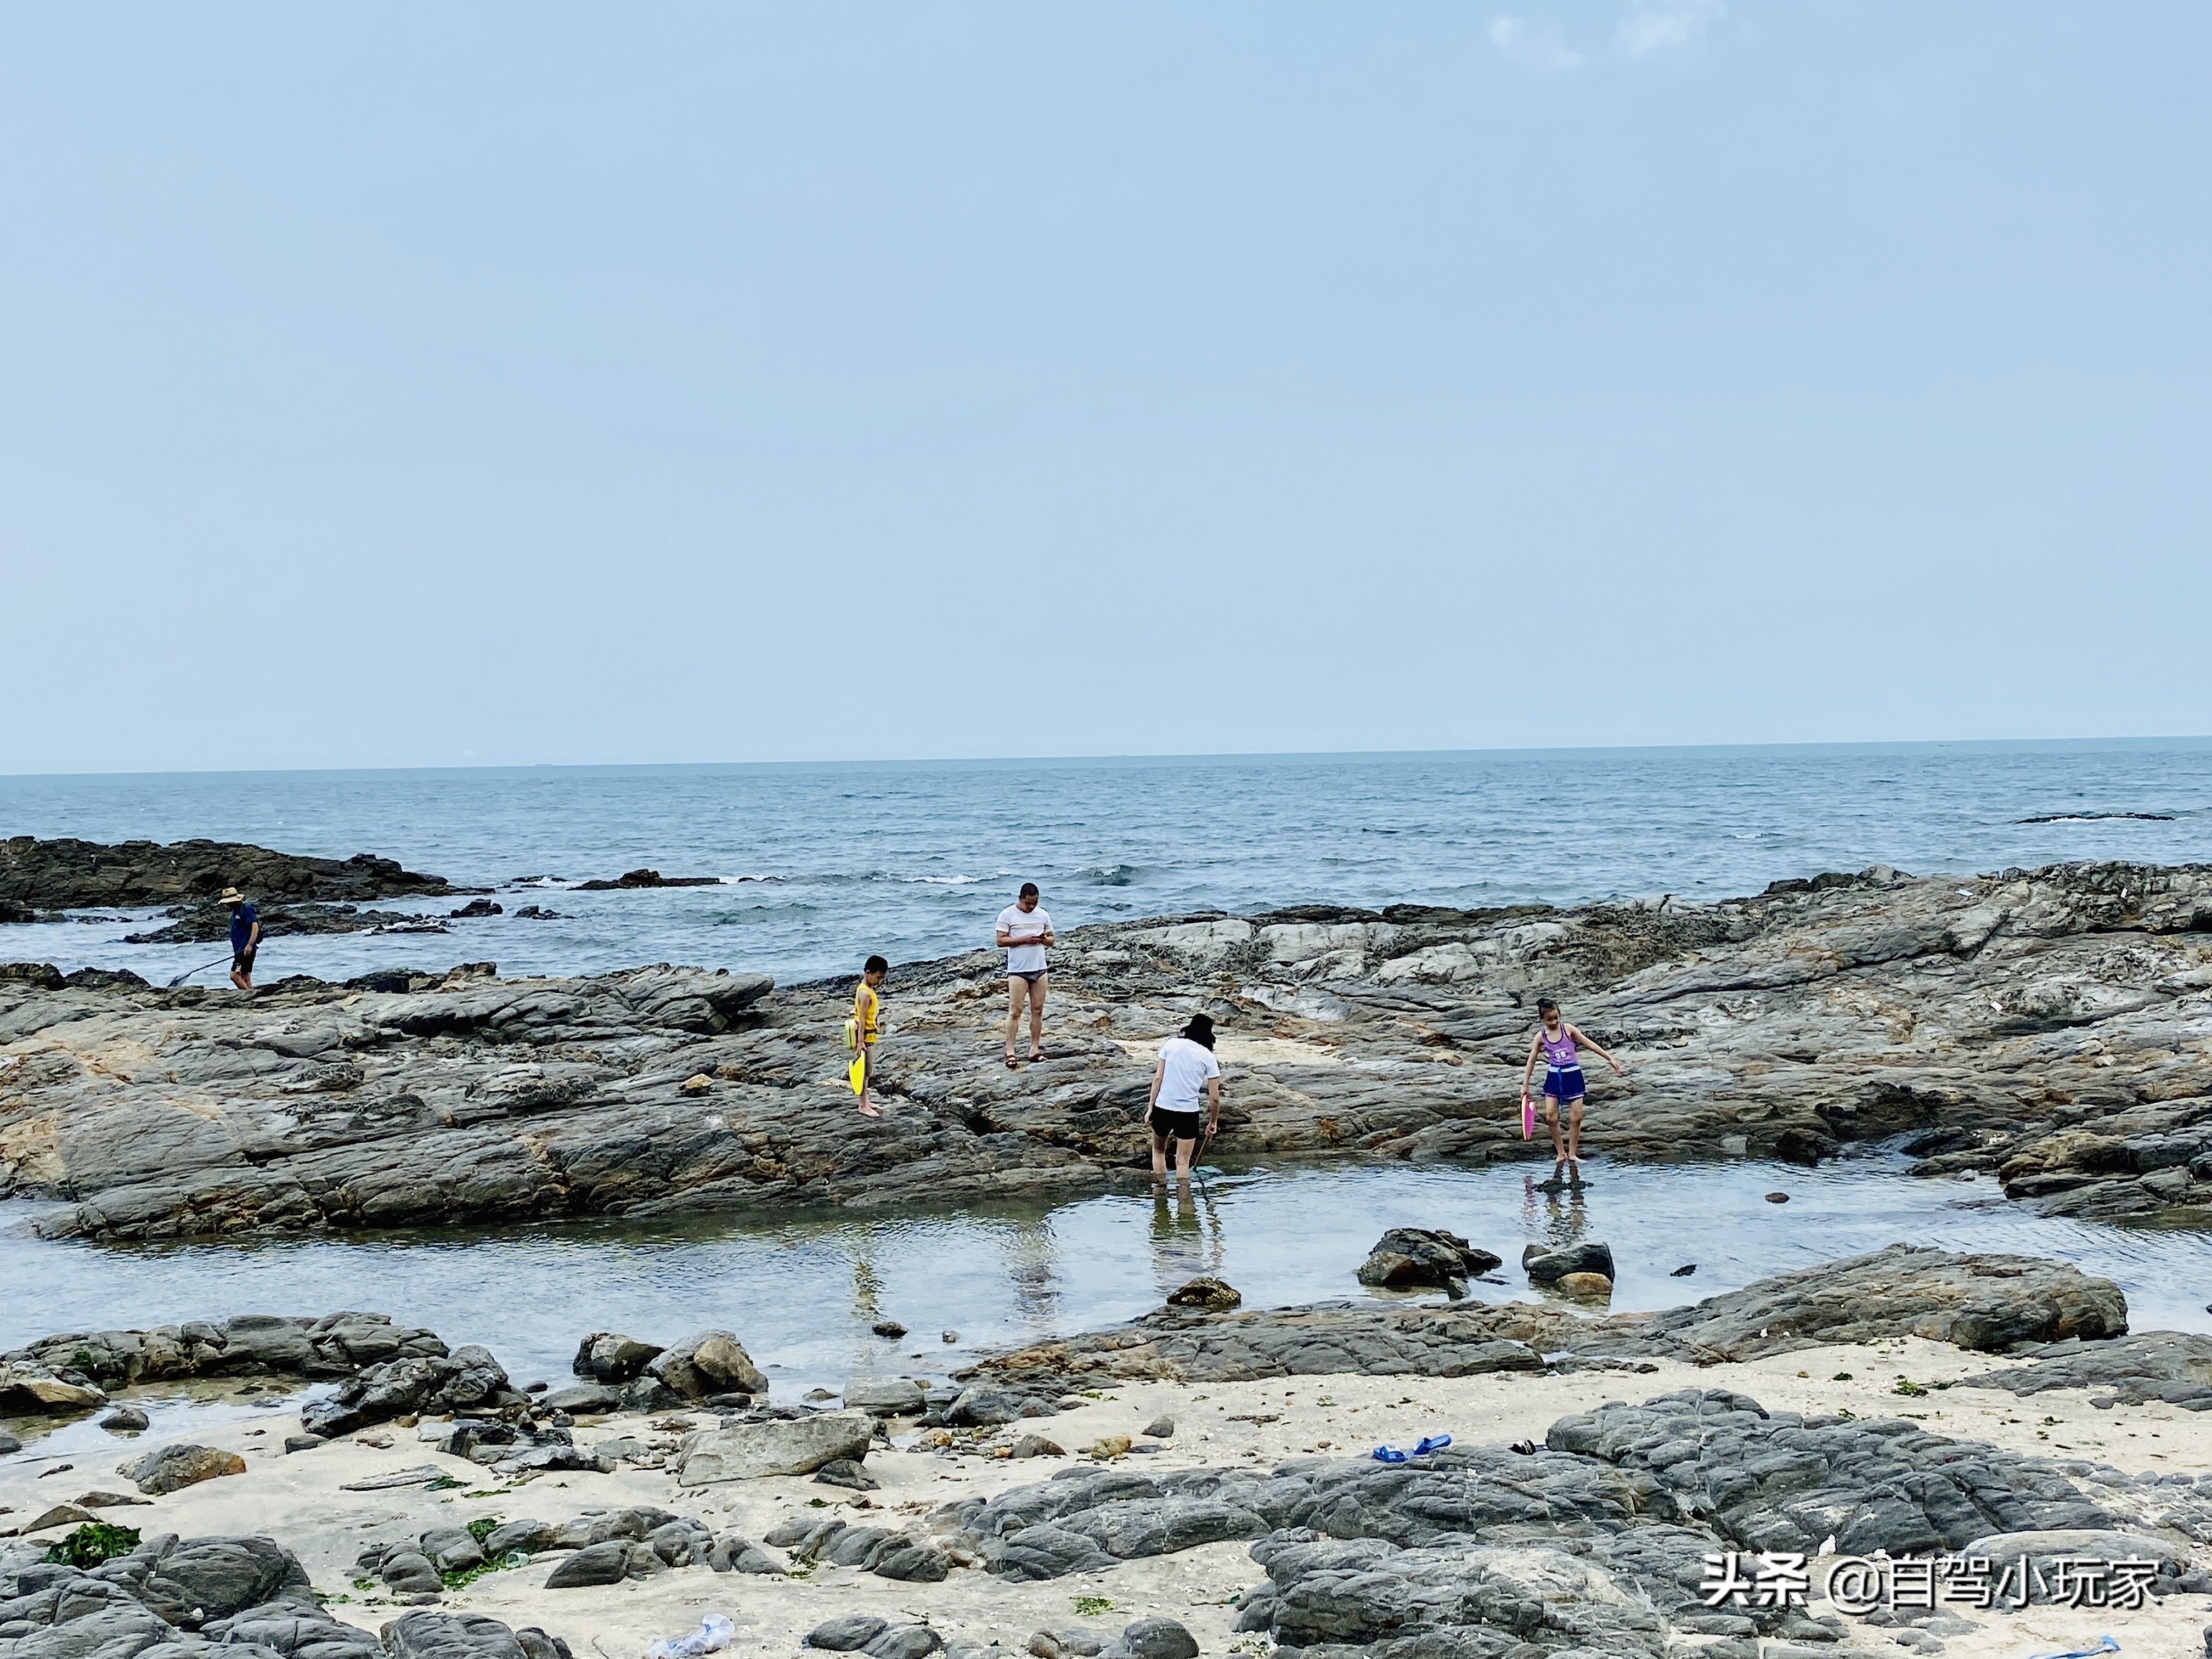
(300, 1499)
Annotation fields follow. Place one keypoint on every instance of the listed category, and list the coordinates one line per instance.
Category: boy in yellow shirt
(867, 1026)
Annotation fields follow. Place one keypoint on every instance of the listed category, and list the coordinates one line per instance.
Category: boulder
(749, 1451)
(886, 1396)
(846, 1633)
(170, 1468)
(528, 1537)
(27, 1388)
(1206, 1294)
(712, 1363)
(1588, 1256)
(606, 1563)
(904, 1642)
(845, 1472)
(1409, 1257)
(1158, 1637)
(609, 1357)
(425, 1635)
(126, 1419)
(1590, 1287)
(585, 1399)
(2003, 1549)
(734, 1554)
(986, 1407)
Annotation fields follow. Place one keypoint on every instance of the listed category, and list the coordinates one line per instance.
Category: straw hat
(232, 896)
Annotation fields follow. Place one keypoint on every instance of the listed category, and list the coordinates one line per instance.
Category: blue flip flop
(1434, 1442)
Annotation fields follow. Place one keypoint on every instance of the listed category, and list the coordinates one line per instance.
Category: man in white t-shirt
(1024, 930)
(1186, 1071)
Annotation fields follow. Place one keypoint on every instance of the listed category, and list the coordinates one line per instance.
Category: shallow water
(802, 1293)
(829, 863)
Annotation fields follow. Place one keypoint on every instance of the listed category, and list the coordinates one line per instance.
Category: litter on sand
(715, 1633)
(1435, 1442)
(2104, 1645)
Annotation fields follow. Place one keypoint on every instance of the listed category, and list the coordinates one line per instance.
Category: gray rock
(2076, 974)
(1589, 1255)
(734, 1554)
(529, 1537)
(904, 1642)
(910, 1562)
(126, 1419)
(583, 1399)
(846, 1633)
(1407, 1257)
(884, 1396)
(709, 1364)
(171, 1468)
(2090, 1543)
(606, 1563)
(452, 1549)
(1162, 1427)
(845, 1472)
(982, 1406)
(465, 1636)
(300, 1443)
(409, 1571)
(1158, 1639)
(749, 1451)
(1979, 1301)
(607, 1357)
(418, 1385)
(1036, 1445)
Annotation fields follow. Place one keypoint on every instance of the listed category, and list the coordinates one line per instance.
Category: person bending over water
(1555, 1042)
(1186, 1069)
(1024, 932)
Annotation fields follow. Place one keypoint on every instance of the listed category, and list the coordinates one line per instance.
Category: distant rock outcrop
(66, 873)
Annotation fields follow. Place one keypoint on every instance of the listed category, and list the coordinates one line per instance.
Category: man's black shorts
(1177, 1125)
(242, 962)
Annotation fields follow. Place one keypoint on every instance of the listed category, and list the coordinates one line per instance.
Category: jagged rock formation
(2054, 1025)
(1984, 1302)
(1596, 1542)
(69, 874)
(75, 1370)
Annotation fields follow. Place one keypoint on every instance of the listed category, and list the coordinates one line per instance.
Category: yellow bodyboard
(857, 1072)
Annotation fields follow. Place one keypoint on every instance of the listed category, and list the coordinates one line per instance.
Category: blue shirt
(241, 925)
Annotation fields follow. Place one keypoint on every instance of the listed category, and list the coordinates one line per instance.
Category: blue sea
(822, 864)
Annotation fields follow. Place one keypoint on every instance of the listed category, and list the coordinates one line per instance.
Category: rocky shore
(2051, 1030)
(1177, 1487)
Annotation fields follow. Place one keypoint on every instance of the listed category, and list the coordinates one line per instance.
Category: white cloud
(1537, 49)
(1661, 25)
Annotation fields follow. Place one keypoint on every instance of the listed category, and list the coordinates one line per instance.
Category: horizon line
(1129, 757)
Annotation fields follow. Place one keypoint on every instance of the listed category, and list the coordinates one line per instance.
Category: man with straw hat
(245, 938)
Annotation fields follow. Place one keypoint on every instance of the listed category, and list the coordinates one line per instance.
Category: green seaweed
(94, 1542)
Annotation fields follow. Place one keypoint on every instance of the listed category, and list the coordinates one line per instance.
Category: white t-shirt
(1025, 924)
(1182, 1085)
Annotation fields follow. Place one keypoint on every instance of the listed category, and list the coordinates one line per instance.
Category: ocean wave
(1112, 875)
(2097, 817)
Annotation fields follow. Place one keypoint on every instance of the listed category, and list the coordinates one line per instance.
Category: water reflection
(1187, 1240)
(802, 1293)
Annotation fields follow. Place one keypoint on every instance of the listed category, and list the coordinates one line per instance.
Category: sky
(508, 384)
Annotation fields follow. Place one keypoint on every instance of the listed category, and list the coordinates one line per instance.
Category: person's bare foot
(868, 1108)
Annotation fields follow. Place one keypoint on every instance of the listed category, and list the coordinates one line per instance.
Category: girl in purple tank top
(1555, 1045)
